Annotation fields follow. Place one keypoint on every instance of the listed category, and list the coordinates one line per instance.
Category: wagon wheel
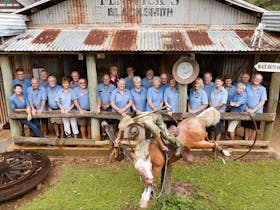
(20, 172)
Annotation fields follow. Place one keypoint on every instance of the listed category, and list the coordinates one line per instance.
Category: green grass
(231, 186)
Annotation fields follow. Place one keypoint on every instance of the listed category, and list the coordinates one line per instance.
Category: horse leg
(208, 144)
(146, 197)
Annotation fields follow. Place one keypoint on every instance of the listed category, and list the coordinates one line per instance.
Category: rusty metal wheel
(20, 172)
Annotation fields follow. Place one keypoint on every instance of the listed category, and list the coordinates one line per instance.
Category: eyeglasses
(81, 83)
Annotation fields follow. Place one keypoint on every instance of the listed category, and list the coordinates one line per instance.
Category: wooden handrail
(266, 117)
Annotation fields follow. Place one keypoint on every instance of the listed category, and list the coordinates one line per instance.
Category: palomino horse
(191, 133)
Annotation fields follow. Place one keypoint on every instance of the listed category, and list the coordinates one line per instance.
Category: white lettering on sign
(267, 67)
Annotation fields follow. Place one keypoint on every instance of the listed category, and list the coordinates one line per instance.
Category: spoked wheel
(20, 172)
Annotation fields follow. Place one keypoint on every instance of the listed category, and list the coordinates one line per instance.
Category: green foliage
(267, 4)
(233, 186)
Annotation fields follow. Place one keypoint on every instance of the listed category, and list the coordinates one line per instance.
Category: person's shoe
(160, 143)
(178, 151)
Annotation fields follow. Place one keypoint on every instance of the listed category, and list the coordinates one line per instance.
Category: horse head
(144, 167)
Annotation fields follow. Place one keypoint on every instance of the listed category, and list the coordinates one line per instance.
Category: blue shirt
(241, 100)
(219, 97)
(73, 85)
(146, 83)
(16, 103)
(51, 95)
(172, 98)
(156, 96)
(165, 86)
(139, 98)
(128, 84)
(37, 97)
(104, 93)
(83, 98)
(121, 100)
(255, 96)
(197, 99)
(231, 92)
(65, 99)
(208, 89)
(41, 83)
(25, 84)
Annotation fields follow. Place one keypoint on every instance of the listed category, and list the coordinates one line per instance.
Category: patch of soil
(182, 189)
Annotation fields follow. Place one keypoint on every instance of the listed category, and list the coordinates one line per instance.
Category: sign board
(185, 70)
(267, 67)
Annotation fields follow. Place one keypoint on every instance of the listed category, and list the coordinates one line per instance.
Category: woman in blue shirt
(198, 97)
(19, 103)
(139, 95)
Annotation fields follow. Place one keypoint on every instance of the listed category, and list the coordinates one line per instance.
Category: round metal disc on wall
(185, 70)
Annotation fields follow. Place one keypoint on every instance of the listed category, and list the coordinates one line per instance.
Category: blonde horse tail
(210, 116)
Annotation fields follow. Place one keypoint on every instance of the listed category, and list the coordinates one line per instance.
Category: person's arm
(42, 107)
(98, 107)
(76, 103)
(127, 106)
(115, 107)
(150, 103)
(201, 108)
(189, 107)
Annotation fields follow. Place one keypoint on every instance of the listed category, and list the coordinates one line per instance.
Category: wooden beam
(183, 91)
(243, 143)
(272, 101)
(92, 86)
(266, 117)
(7, 74)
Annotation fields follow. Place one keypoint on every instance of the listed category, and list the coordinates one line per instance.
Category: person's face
(207, 79)
(75, 76)
(106, 80)
(137, 85)
(196, 85)
(156, 84)
(219, 83)
(20, 75)
(130, 71)
(44, 75)
(121, 85)
(173, 83)
(65, 84)
(35, 84)
(83, 83)
(245, 78)
(257, 80)
(52, 82)
(150, 74)
(113, 71)
(18, 90)
(164, 79)
(228, 82)
(239, 90)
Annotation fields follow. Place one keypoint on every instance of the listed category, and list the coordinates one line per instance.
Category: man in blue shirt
(231, 89)
(198, 100)
(37, 98)
(75, 75)
(121, 100)
(164, 81)
(20, 79)
(129, 79)
(257, 97)
(51, 90)
(82, 104)
(44, 78)
(171, 96)
(208, 84)
(238, 104)
(147, 81)
(218, 100)
(154, 96)
(139, 95)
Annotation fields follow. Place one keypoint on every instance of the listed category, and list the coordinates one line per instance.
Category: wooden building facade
(89, 36)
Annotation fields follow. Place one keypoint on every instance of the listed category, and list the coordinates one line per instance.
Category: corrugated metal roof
(11, 24)
(246, 5)
(271, 20)
(141, 40)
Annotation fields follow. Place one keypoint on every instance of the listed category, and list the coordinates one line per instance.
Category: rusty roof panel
(174, 41)
(124, 40)
(141, 40)
(199, 38)
(46, 37)
(96, 37)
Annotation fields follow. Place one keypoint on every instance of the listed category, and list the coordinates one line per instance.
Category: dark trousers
(34, 125)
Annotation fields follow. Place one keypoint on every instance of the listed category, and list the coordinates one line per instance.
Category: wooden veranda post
(7, 74)
(183, 91)
(92, 86)
(272, 101)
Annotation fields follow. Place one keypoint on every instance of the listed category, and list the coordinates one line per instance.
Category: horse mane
(210, 116)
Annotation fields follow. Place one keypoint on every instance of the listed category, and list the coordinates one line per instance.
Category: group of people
(123, 95)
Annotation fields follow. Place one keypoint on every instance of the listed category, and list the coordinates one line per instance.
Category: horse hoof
(226, 153)
(143, 204)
